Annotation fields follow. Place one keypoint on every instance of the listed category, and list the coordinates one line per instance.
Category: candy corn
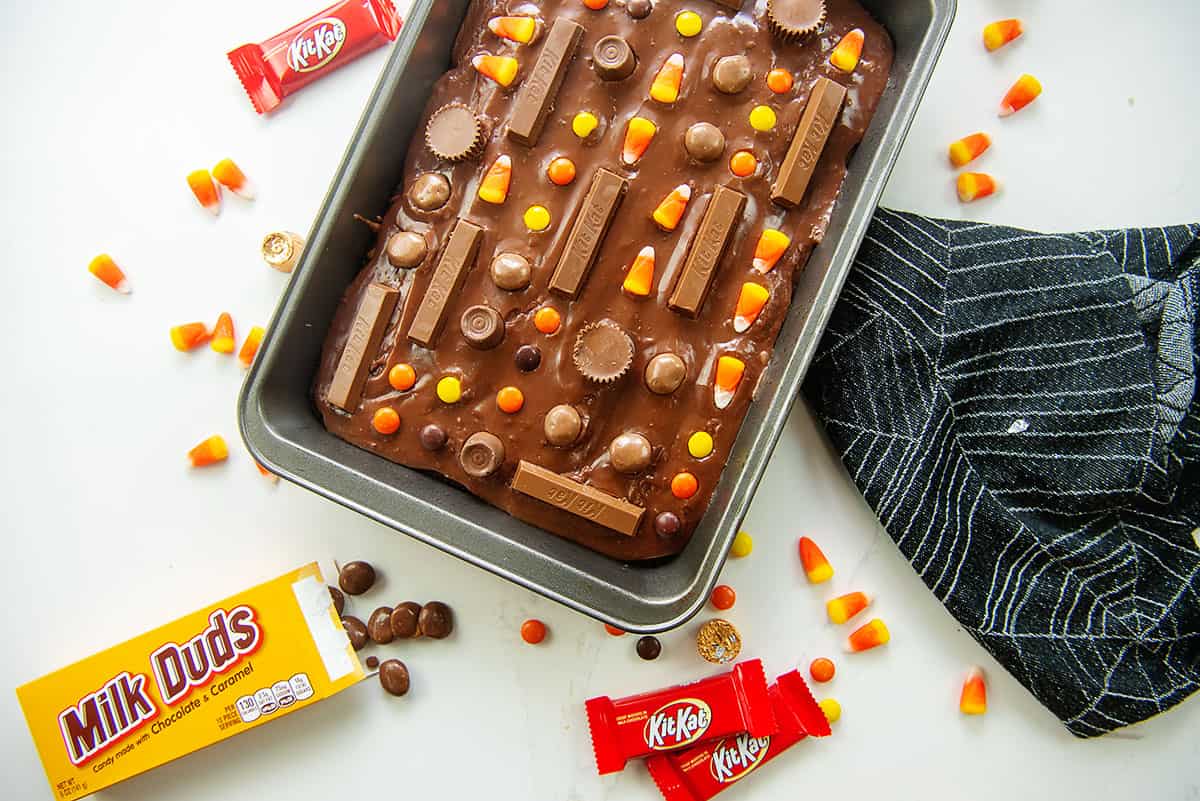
(997, 34)
(816, 566)
(969, 148)
(205, 191)
(974, 185)
(973, 700)
(104, 268)
(501, 69)
(189, 335)
(222, 334)
(233, 179)
(750, 303)
(868, 636)
(267, 474)
(844, 607)
(730, 370)
(641, 273)
(211, 451)
(250, 346)
(847, 52)
(771, 245)
(494, 186)
(637, 138)
(1022, 93)
(670, 210)
(516, 29)
(665, 87)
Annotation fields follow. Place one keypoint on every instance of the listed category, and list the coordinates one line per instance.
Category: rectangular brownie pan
(283, 431)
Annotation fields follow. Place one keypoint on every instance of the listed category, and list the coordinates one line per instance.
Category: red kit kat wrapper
(273, 69)
(703, 770)
(679, 716)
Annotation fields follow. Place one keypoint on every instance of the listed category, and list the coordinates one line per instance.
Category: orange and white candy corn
(211, 451)
(205, 190)
(250, 346)
(868, 636)
(640, 277)
(750, 303)
(232, 178)
(670, 210)
(846, 54)
(494, 186)
(816, 566)
(665, 87)
(104, 268)
(973, 700)
(974, 185)
(969, 148)
(267, 474)
(730, 370)
(999, 33)
(222, 334)
(638, 134)
(770, 247)
(189, 335)
(501, 69)
(522, 30)
(1023, 92)
(844, 607)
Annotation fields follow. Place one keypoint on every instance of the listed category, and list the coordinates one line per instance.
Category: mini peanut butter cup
(454, 133)
(603, 352)
(792, 20)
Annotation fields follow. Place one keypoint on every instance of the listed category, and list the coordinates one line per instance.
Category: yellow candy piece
(449, 389)
(688, 23)
(700, 444)
(584, 123)
(537, 218)
(742, 545)
(831, 708)
(762, 118)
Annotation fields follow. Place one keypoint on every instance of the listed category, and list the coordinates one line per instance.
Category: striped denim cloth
(1034, 449)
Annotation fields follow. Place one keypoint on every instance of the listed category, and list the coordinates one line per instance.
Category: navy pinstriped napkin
(1034, 447)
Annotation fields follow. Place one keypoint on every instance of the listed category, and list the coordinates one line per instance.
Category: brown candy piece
(404, 620)
(433, 437)
(454, 133)
(666, 524)
(613, 59)
(820, 115)
(528, 358)
(482, 454)
(356, 577)
(793, 19)
(436, 621)
(704, 142)
(371, 662)
(393, 676)
(482, 327)
(356, 630)
(718, 641)
(379, 626)
(562, 425)
(339, 600)
(731, 74)
(406, 249)
(429, 191)
(602, 352)
(649, 648)
(630, 453)
(639, 9)
(511, 271)
(281, 250)
(664, 373)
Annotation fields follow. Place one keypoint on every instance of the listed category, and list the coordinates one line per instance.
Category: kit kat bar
(370, 322)
(592, 221)
(820, 115)
(720, 220)
(457, 258)
(538, 90)
(576, 498)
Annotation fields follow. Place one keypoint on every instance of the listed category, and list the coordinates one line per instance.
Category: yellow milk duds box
(226, 668)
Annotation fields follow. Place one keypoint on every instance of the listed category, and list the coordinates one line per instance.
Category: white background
(108, 105)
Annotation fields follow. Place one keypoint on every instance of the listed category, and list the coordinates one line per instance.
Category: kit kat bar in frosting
(538, 90)
(592, 221)
(820, 115)
(576, 498)
(720, 220)
(366, 332)
(457, 258)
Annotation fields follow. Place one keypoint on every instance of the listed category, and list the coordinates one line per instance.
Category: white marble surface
(108, 105)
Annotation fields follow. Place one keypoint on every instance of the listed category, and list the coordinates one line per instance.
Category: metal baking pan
(284, 432)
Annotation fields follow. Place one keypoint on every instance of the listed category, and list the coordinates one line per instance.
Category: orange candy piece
(969, 148)
(501, 69)
(846, 54)
(267, 474)
(750, 303)
(210, 451)
(638, 134)
(494, 186)
(974, 185)
(723, 597)
(205, 190)
(386, 420)
(871, 635)
(522, 30)
(743, 163)
(665, 87)
(684, 485)
(670, 210)
(250, 346)
(614, 631)
(999, 33)
(561, 171)
(822, 669)
(730, 370)
(104, 268)
(844, 607)
(510, 400)
(222, 334)
(1023, 92)
(595, 5)
(533, 631)
(973, 700)
(779, 81)
(189, 335)
(402, 377)
(640, 277)
(547, 319)
(816, 566)
(232, 178)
